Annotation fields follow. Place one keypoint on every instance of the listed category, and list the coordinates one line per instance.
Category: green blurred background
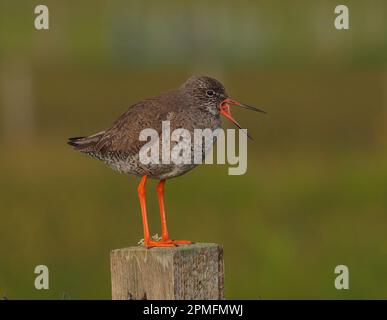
(315, 193)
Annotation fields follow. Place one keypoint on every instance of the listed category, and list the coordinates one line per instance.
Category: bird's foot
(158, 241)
(165, 243)
(177, 242)
(152, 243)
(155, 241)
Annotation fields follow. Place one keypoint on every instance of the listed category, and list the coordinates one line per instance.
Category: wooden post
(192, 271)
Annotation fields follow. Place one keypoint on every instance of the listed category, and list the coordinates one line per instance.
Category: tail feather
(85, 144)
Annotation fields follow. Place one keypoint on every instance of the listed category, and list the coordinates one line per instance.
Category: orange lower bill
(225, 111)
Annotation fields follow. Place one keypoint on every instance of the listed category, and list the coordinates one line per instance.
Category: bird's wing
(123, 136)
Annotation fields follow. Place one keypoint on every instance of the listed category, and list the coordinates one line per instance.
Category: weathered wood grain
(193, 271)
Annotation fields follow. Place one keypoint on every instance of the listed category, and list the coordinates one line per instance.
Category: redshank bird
(197, 104)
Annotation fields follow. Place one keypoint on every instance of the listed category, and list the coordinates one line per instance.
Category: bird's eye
(210, 93)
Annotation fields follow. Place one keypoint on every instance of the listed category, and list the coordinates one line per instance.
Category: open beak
(225, 111)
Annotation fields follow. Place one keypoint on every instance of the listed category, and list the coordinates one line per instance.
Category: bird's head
(210, 95)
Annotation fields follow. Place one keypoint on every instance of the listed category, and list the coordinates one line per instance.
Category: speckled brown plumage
(188, 107)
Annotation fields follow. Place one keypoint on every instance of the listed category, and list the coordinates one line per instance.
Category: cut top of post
(194, 271)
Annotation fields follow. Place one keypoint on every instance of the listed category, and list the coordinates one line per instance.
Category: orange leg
(147, 241)
(160, 195)
(164, 229)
